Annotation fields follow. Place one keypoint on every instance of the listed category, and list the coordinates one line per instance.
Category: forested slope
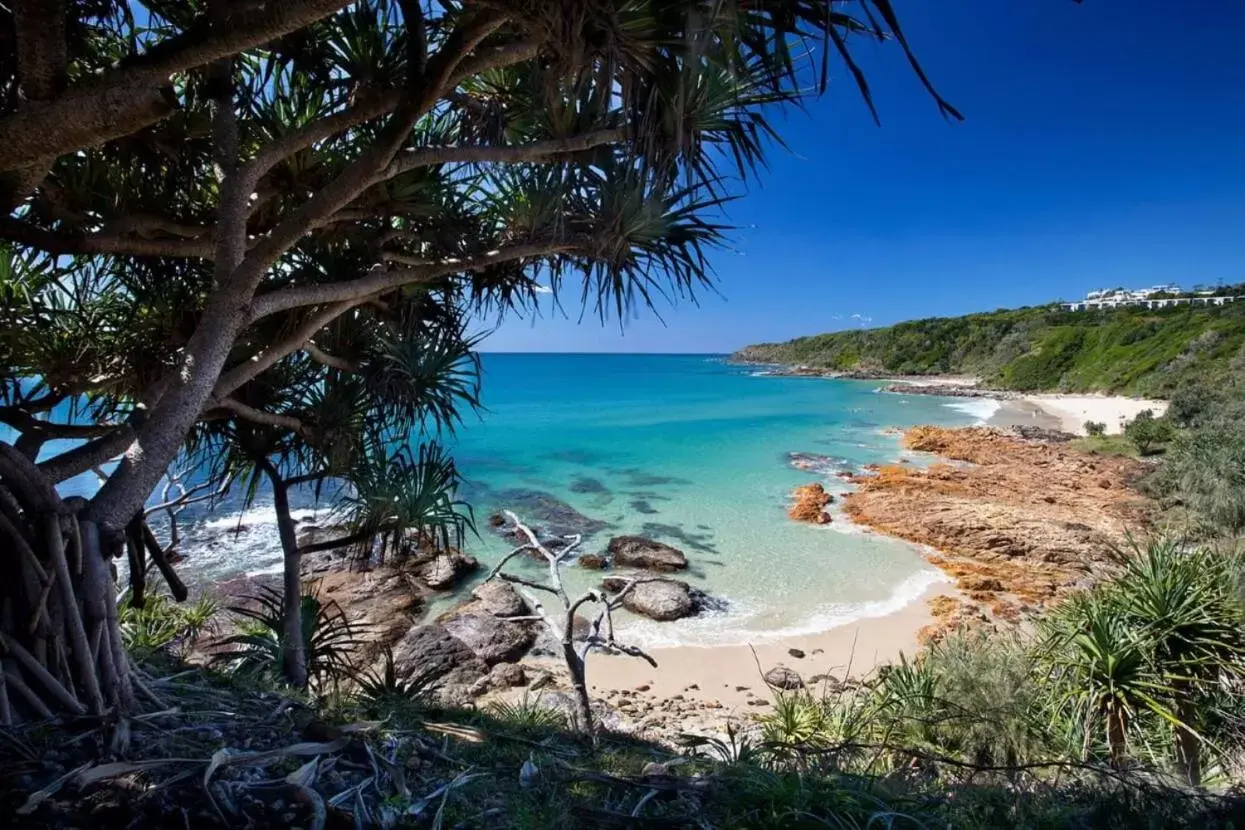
(1129, 350)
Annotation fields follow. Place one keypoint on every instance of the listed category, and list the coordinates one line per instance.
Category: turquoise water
(682, 448)
(695, 452)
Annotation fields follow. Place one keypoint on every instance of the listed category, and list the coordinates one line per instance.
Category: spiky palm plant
(1184, 604)
(328, 639)
(1099, 665)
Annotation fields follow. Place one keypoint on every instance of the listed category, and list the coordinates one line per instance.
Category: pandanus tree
(198, 191)
(344, 415)
(1157, 646)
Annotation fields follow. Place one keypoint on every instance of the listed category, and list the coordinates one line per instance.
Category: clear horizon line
(568, 352)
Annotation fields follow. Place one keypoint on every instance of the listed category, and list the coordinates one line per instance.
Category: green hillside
(1129, 350)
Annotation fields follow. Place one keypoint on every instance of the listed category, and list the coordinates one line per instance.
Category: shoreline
(1064, 412)
(966, 518)
(731, 676)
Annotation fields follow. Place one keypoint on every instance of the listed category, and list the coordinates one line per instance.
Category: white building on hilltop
(1158, 296)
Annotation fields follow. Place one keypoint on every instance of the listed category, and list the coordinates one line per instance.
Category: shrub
(1095, 429)
(1149, 653)
(1147, 432)
(163, 625)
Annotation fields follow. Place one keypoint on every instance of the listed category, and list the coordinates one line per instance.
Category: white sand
(731, 675)
(1074, 410)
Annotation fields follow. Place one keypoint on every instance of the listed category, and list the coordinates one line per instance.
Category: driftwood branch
(564, 629)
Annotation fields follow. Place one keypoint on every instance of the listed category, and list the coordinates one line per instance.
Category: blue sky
(1104, 144)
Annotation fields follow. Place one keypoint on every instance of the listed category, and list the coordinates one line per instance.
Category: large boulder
(639, 552)
(446, 569)
(490, 638)
(659, 599)
(500, 599)
(430, 654)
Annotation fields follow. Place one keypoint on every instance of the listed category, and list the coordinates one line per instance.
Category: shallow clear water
(686, 449)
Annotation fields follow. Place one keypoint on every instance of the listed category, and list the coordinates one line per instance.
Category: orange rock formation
(810, 503)
(1017, 523)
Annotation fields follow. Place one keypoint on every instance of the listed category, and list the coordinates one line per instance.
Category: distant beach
(1064, 412)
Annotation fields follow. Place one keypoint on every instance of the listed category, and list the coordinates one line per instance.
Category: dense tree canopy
(232, 220)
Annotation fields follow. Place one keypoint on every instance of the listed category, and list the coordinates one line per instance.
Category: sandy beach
(727, 680)
(731, 674)
(1074, 410)
(1065, 412)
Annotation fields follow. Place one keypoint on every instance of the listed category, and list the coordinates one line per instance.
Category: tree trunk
(1188, 748)
(579, 680)
(1117, 743)
(60, 640)
(293, 649)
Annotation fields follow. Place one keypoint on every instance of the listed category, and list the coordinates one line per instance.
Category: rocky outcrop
(500, 599)
(492, 639)
(646, 554)
(658, 599)
(1018, 524)
(431, 656)
(810, 504)
(593, 562)
(950, 390)
(554, 516)
(482, 623)
(446, 568)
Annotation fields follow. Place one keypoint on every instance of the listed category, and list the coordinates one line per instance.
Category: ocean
(686, 449)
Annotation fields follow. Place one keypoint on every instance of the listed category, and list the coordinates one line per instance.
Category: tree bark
(579, 680)
(293, 649)
(1188, 747)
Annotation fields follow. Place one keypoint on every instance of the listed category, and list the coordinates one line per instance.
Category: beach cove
(702, 455)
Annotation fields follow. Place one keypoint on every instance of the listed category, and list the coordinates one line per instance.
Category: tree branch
(375, 106)
(545, 151)
(298, 339)
(24, 422)
(358, 290)
(91, 454)
(137, 93)
(325, 359)
(419, 97)
(66, 243)
(258, 416)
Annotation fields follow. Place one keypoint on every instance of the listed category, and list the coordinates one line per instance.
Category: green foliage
(1203, 471)
(1127, 350)
(1107, 445)
(402, 494)
(329, 639)
(1095, 429)
(382, 688)
(1148, 433)
(1140, 670)
(163, 625)
(1152, 648)
(528, 714)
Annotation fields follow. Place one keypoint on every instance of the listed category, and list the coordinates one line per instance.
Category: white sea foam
(730, 627)
(259, 515)
(980, 408)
